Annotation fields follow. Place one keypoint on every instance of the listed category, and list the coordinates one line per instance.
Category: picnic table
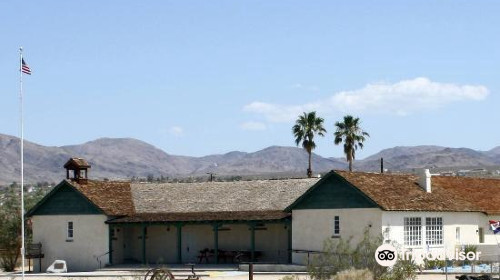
(233, 256)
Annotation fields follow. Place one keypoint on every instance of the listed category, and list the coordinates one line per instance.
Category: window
(481, 235)
(413, 231)
(434, 231)
(457, 234)
(70, 230)
(336, 226)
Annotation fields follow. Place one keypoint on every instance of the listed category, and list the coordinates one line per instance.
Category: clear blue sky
(202, 77)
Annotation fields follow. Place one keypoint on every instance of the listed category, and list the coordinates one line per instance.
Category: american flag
(495, 226)
(25, 68)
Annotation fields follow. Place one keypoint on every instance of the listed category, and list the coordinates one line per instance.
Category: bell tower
(77, 169)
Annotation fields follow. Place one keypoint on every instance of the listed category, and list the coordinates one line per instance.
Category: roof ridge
(373, 173)
(225, 182)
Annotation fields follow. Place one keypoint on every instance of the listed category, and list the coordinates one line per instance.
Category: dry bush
(291, 277)
(354, 274)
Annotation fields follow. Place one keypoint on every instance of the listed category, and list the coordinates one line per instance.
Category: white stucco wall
(310, 228)
(273, 243)
(467, 222)
(90, 240)
(161, 244)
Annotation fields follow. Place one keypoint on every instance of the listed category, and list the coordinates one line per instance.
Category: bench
(34, 251)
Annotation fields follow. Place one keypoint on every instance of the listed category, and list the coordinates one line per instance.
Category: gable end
(333, 192)
(64, 199)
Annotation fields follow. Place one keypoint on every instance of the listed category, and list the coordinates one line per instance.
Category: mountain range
(115, 158)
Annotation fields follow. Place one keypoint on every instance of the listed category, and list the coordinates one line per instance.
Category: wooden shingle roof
(272, 199)
(238, 196)
(402, 193)
(79, 162)
(114, 198)
(240, 200)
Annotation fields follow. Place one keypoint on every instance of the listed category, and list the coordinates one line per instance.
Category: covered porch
(206, 242)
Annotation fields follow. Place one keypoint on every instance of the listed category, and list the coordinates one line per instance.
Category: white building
(92, 223)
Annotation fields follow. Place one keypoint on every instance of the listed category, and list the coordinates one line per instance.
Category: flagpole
(22, 156)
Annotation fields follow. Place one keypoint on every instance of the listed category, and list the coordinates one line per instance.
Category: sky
(204, 77)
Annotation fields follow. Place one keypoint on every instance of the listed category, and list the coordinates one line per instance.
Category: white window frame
(70, 228)
(412, 231)
(434, 231)
(336, 226)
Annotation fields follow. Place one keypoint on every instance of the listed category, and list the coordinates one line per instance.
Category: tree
(304, 130)
(10, 225)
(350, 133)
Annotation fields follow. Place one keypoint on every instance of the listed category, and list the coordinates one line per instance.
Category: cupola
(77, 169)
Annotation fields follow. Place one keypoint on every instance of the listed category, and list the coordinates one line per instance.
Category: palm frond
(350, 133)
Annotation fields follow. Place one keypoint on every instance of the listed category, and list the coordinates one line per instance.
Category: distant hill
(495, 152)
(399, 151)
(126, 157)
(404, 158)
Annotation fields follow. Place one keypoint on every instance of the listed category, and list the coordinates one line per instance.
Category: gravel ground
(236, 275)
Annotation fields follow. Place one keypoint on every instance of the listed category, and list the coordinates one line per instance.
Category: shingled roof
(80, 162)
(484, 194)
(239, 200)
(257, 195)
(114, 198)
(394, 192)
(271, 199)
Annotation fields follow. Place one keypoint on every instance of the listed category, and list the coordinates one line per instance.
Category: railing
(99, 258)
(308, 253)
(488, 266)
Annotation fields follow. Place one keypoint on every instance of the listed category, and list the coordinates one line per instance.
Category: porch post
(179, 243)
(144, 228)
(216, 242)
(110, 245)
(289, 231)
(252, 241)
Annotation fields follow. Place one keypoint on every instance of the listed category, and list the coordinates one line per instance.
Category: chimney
(424, 179)
(77, 169)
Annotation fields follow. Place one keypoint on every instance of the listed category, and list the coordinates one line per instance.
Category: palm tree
(305, 128)
(352, 135)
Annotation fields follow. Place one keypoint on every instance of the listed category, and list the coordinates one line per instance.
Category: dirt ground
(236, 275)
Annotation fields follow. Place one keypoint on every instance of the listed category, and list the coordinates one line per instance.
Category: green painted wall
(64, 201)
(334, 193)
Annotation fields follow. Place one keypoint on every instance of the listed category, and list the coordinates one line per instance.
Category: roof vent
(77, 170)
(424, 180)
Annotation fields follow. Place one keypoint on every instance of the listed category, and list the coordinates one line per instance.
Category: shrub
(431, 264)
(364, 254)
(290, 277)
(339, 256)
(353, 274)
(336, 256)
(469, 248)
(402, 270)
